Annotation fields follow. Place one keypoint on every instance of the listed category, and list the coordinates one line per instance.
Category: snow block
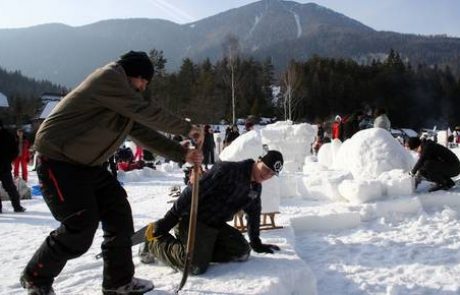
(288, 185)
(329, 222)
(360, 191)
(292, 140)
(245, 146)
(322, 185)
(325, 156)
(388, 208)
(397, 183)
(271, 195)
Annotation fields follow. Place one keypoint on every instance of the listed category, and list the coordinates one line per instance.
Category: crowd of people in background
(344, 127)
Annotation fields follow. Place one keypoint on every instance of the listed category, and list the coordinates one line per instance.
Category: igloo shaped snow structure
(371, 152)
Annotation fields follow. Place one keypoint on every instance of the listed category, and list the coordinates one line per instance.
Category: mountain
(282, 30)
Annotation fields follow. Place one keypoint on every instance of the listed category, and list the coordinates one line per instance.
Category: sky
(425, 17)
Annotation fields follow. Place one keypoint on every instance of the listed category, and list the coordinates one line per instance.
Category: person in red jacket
(23, 157)
(337, 128)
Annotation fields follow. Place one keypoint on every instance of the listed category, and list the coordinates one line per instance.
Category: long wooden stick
(191, 227)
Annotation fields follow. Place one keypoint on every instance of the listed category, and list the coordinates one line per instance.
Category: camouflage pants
(211, 245)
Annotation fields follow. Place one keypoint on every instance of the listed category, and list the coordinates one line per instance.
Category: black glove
(264, 248)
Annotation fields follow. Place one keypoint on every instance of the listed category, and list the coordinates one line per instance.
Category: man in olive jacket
(81, 133)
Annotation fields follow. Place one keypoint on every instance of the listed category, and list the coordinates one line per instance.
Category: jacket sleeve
(210, 183)
(424, 155)
(114, 92)
(157, 143)
(253, 211)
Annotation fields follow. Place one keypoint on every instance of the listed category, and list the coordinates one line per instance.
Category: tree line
(414, 97)
(23, 96)
(314, 90)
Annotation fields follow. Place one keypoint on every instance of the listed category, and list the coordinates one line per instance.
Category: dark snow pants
(6, 178)
(439, 172)
(211, 245)
(79, 197)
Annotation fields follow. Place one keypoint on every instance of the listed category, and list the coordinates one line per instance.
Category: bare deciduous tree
(231, 47)
(291, 80)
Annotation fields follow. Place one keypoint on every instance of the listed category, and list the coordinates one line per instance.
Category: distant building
(3, 101)
(49, 102)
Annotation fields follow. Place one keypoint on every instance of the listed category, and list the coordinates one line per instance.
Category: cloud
(173, 11)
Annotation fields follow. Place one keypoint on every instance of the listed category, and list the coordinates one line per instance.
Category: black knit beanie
(137, 63)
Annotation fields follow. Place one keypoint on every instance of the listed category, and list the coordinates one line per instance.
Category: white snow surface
(297, 21)
(403, 242)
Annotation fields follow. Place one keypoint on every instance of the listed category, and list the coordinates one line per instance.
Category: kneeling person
(436, 163)
(224, 190)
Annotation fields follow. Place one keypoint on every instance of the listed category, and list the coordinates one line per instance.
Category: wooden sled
(267, 221)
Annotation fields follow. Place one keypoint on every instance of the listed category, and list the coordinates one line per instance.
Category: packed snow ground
(335, 240)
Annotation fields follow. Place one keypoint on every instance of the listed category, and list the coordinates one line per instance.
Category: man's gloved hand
(160, 227)
(264, 248)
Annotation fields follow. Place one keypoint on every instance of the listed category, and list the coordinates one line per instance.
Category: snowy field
(358, 230)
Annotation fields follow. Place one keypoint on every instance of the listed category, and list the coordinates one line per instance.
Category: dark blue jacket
(8, 147)
(224, 190)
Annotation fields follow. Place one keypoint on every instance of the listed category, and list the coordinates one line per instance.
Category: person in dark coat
(224, 190)
(8, 152)
(208, 146)
(231, 135)
(351, 126)
(436, 163)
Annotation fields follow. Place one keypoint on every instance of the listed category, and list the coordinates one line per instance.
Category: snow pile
(245, 146)
(168, 167)
(360, 191)
(371, 152)
(138, 175)
(292, 140)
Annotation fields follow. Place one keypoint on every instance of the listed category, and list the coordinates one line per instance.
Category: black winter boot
(33, 289)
